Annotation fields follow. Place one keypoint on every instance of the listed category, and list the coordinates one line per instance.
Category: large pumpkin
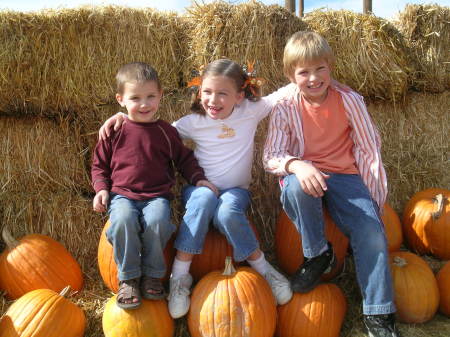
(443, 279)
(289, 245)
(393, 228)
(108, 267)
(43, 313)
(319, 313)
(150, 319)
(232, 304)
(36, 261)
(426, 222)
(215, 249)
(415, 287)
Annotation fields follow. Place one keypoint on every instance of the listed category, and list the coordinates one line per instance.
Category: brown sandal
(128, 290)
(152, 288)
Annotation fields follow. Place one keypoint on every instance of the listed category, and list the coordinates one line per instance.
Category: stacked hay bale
(426, 29)
(371, 54)
(65, 61)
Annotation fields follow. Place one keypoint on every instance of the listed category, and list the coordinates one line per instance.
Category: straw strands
(249, 31)
(57, 62)
(37, 154)
(426, 29)
(371, 56)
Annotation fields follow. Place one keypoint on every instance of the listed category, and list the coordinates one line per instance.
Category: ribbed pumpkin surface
(319, 313)
(393, 228)
(443, 279)
(150, 319)
(43, 313)
(236, 305)
(38, 262)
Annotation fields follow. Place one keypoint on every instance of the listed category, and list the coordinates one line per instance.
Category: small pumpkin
(215, 249)
(426, 222)
(415, 287)
(108, 267)
(289, 248)
(393, 228)
(36, 261)
(43, 313)
(151, 318)
(443, 280)
(235, 303)
(319, 313)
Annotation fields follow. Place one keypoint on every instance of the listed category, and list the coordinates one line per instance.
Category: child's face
(313, 80)
(141, 100)
(219, 95)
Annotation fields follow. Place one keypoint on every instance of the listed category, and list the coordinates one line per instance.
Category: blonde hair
(305, 47)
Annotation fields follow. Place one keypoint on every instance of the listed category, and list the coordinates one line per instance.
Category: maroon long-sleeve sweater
(138, 161)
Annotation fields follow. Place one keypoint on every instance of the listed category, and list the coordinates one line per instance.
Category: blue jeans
(139, 232)
(356, 214)
(227, 213)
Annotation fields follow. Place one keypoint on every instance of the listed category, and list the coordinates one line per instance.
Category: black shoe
(307, 277)
(381, 325)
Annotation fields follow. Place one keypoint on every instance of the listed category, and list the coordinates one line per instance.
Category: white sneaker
(279, 284)
(179, 300)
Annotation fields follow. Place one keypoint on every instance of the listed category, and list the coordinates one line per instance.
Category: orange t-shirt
(326, 132)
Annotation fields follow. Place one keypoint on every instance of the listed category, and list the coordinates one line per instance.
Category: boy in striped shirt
(323, 144)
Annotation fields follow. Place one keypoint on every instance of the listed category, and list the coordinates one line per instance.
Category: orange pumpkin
(289, 248)
(426, 222)
(415, 287)
(215, 249)
(108, 267)
(443, 280)
(232, 304)
(36, 261)
(43, 313)
(317, 313)
(393, 228)
(151, 318)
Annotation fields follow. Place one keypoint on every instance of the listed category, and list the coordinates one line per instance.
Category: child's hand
(311, 179)
(115, 121)
(101, 201)
(211, 186)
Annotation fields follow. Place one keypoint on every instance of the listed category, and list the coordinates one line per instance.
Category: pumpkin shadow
(7, 327)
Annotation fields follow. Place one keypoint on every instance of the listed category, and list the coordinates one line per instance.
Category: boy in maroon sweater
(132, 175)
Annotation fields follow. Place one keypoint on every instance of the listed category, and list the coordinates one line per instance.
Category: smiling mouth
(317, 86)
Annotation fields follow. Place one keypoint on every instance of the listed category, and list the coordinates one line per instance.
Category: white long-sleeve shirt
(285, 140)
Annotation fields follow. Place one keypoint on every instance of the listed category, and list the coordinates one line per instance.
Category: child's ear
(119, 99)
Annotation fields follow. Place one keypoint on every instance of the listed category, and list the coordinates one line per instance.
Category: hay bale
(371, 56)
(415, 144)
(426, 29)
(244, 32)
(41, 155)
(60, 61)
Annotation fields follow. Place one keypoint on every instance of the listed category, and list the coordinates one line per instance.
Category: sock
(180, 268)
(260, 264)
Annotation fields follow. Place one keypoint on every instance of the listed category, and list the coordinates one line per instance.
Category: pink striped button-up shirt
(285, 140)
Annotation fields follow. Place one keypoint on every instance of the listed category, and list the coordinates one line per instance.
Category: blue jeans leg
(230, 219)
(157, 230)
(138, 231)
(353, 210)
(306, 213)
(200, 204)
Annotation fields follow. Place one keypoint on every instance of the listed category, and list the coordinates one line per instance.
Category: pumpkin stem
(9, 239)
(65, 291)
(229, 268)
(399, 261)
(439, 200)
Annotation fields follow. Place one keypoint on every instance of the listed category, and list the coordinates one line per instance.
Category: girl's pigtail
(252, 84)
(194, 86)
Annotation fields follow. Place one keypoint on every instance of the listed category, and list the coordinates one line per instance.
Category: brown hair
(304, 47)
(136, 72)
(230, 69)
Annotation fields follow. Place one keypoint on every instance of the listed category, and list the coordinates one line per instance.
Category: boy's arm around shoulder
(277, 154)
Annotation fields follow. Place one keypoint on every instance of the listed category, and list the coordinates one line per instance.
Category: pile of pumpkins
(225, 301)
